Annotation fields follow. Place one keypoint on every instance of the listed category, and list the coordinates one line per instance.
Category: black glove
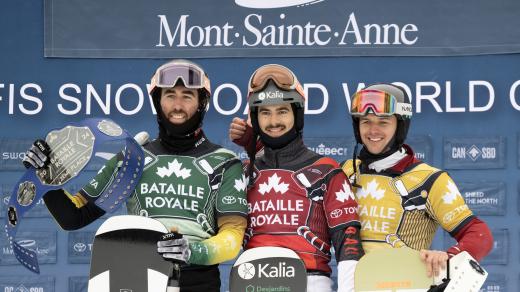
(439, 288)
(173, 246)
(38, 155)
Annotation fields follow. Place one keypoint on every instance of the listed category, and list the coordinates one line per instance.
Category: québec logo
(322, 149)
(265, 4)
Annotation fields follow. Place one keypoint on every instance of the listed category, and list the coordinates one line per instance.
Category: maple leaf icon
(345, 193)
(273, 182)
(240, 184)
(451, 194)
(372, 190)
(174, 167)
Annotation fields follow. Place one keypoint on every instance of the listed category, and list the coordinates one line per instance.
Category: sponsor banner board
(338, 148)
(485, 198)
(78, 284)
(42, 242)
(474, 152)
(12, 153)
(422, 147)
(79, 247)
(27, 283)
(277, 28)
(38, 211)
(495, 283)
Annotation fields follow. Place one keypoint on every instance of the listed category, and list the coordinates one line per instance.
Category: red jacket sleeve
(475, 238)
(247, 139)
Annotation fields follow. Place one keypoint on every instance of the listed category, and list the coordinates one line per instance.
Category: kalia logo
(264, 4)
(270, 95)
(247, 270)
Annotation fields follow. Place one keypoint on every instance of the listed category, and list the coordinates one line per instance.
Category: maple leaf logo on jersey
(451, 194)
(174, 167)
(273, 183)
(372, 190)
(345, 193)
(240, 184)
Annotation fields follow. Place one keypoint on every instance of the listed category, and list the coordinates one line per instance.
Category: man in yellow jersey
(402, 200)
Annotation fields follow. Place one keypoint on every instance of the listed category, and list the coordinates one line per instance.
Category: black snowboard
(125, 258)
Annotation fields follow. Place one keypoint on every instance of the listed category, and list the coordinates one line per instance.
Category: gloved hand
(38, 156)
(173, 246)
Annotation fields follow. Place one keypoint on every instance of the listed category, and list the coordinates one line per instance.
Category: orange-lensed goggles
(379, 103)
(280, 75)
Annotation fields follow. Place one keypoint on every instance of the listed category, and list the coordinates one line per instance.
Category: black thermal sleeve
(68, 216)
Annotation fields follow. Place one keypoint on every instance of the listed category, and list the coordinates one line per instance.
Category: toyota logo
(336, 213)
(80, 247)
(228, 200)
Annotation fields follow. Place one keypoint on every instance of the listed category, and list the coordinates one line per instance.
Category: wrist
(198, 253)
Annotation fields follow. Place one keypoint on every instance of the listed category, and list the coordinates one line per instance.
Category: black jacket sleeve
(67, 214)
(347, 243)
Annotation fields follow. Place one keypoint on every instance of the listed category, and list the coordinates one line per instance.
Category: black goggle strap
(354, 165)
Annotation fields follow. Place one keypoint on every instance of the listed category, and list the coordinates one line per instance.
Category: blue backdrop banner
(269, 28)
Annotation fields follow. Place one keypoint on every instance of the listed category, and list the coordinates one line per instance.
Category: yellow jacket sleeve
(224, 246)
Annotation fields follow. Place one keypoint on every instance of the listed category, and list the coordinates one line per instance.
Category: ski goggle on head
(191, 75)
(379, 103)
(280, 75)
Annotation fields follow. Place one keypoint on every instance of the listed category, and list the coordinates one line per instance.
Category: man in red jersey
(297, 199)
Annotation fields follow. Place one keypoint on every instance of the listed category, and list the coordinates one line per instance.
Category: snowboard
(268, 269)
(392, 270)
(125, 257)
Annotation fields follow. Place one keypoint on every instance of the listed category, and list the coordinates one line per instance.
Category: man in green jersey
(191, 185)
